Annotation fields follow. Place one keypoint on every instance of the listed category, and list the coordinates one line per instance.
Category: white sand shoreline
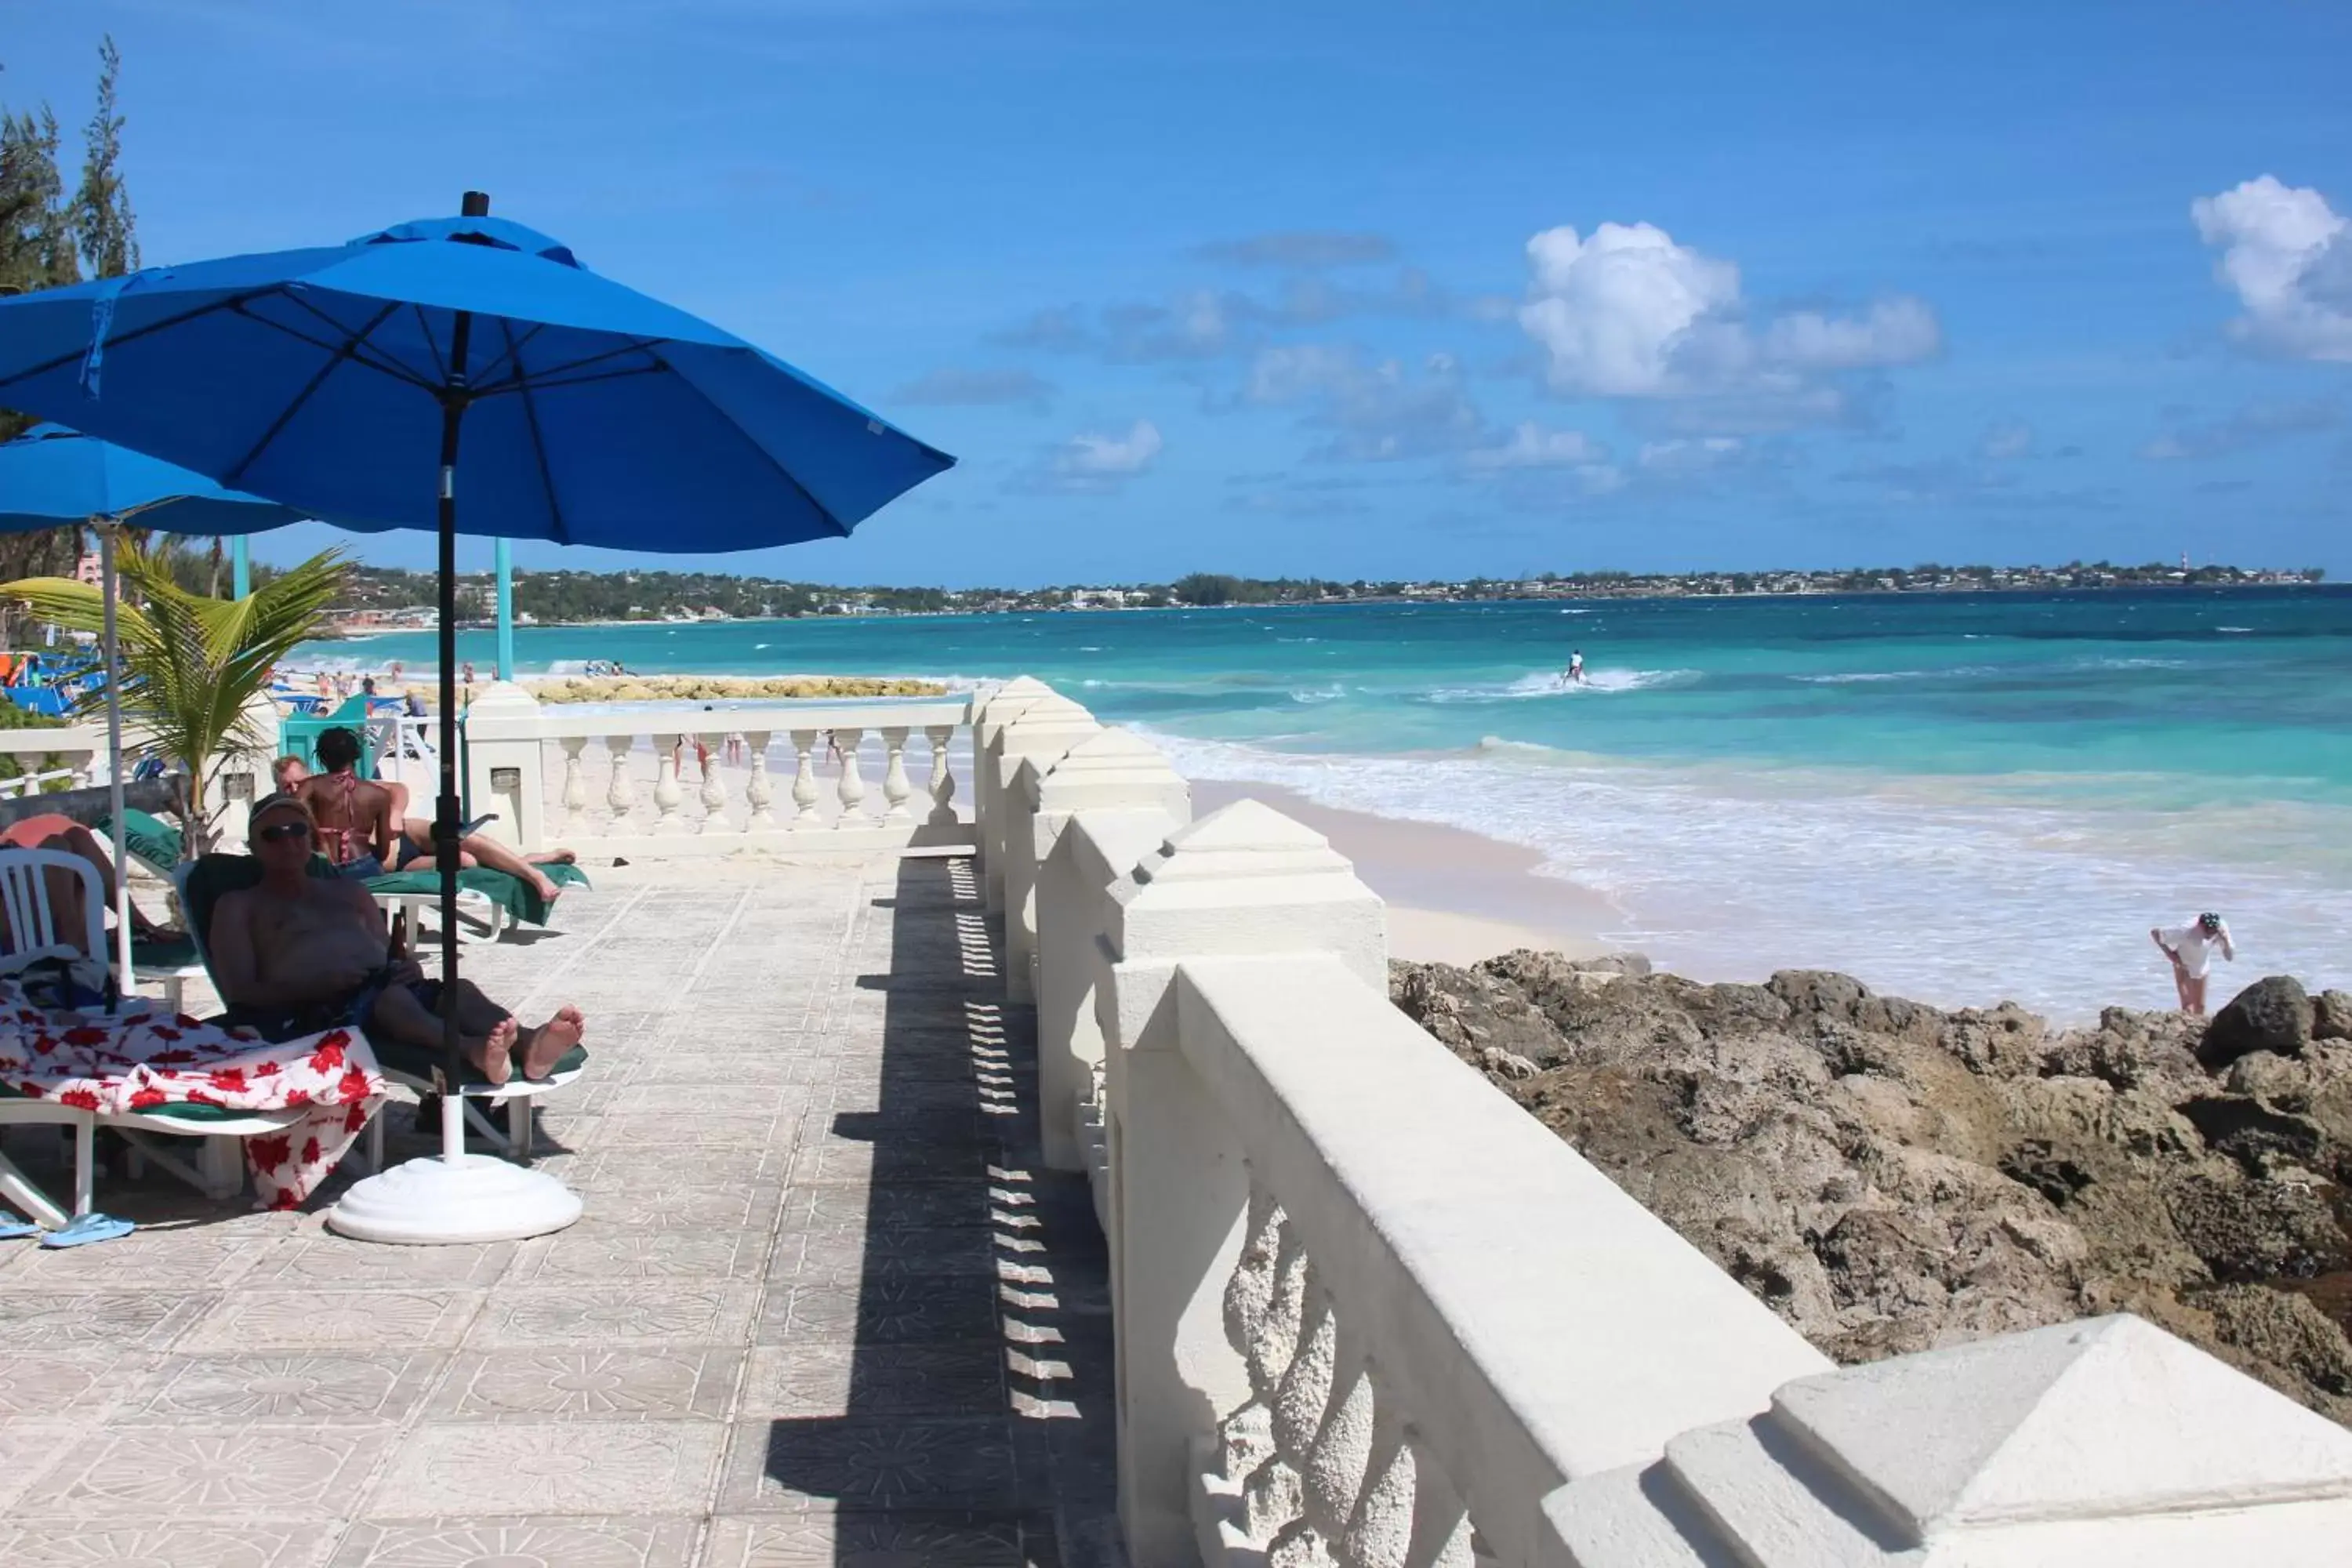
(1454, 896)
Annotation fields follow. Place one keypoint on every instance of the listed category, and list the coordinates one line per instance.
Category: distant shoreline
(346, 630)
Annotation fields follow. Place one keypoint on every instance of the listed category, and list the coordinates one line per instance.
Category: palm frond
(191, 664)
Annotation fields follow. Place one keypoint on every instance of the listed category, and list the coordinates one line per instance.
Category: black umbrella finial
(476, 204)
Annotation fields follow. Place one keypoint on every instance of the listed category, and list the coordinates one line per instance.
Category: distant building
(90, 569)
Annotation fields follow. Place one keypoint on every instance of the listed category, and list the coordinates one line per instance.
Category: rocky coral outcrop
(721, 687)
(1892, 1177)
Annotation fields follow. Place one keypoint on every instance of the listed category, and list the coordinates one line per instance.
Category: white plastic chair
(33, 926)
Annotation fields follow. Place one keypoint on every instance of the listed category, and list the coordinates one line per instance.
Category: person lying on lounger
(51, 830)
(299, 954)
(339, 798)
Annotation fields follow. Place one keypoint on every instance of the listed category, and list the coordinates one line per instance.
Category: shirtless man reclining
(300, 953)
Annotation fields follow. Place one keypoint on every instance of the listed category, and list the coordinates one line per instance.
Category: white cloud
(2284, 254)
(1900, 331)
(1628, 312)
(1093, 457)
(1609, 310)
(1533, 446)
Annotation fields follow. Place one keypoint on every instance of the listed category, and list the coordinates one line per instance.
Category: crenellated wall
(1369, 1312)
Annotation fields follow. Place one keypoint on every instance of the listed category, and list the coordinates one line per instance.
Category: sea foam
(1952, 892)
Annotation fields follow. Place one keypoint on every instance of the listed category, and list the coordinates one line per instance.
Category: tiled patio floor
(824, 1306)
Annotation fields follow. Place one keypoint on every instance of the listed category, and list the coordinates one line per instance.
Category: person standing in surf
(2191, 948)
(1574, 675)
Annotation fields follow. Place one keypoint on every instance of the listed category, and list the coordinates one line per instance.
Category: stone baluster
(759, 789)
(852, 788)
(942, 785)
(1299, 1404)
(714, 787)
(1441, 1536)
(575, 789)
(1243, 1440)
(1333, 1478)
(896, 789)
(621, 794)
(1378, 1534)
(667, 796)
(804, 778)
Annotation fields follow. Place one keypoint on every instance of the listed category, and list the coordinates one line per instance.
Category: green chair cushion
(417, 1063)
(150, 839)
(520, 898)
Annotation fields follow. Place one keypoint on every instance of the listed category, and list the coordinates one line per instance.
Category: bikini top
(338, 841)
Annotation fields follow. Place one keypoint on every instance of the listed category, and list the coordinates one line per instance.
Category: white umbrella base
(438, 1202)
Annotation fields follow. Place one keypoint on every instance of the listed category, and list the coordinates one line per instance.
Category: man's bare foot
(545, 1046)
(554, 858)
(546, 886)
(494, 1053)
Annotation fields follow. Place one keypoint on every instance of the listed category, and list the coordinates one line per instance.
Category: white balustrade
(621, 795)
(851, 788)
(667, 795)
(804, 777)
(707, 775)
(1372, 1314)
(760, 792)
(714, 792)
(71, 757)
(941, 787)
(896, 790)
(576, 821)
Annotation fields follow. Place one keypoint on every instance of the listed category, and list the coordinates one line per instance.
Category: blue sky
(1377, 289)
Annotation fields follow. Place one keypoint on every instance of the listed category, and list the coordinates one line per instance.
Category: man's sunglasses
(280, 832)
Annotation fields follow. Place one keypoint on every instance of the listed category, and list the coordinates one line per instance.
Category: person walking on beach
(2191, 948)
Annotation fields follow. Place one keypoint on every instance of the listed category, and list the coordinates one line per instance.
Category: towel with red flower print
(143, 1061)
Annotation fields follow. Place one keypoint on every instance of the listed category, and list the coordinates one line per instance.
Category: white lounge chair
(475, 1100)
(33, 934)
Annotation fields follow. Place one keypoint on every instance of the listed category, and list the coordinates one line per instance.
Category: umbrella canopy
(347, 382)
(51, 476)
(594, 414)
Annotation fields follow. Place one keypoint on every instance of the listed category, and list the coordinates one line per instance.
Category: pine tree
(103, 225)
(36, 235)
(45, 238)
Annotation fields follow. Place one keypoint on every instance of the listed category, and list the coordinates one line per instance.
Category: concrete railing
(236, 776)
(676, 779)
(73, 757)
(1368, 1311)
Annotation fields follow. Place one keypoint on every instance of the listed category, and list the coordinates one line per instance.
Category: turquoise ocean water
(1960, 797)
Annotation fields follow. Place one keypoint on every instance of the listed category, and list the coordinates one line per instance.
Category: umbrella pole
(111, 592)
(445, 811)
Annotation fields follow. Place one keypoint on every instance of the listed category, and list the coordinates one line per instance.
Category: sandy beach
(1453, 896)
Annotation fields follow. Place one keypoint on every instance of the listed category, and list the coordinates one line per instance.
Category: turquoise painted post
(240, 566)
(505, 608)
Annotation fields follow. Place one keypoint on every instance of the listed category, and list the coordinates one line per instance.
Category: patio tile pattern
(825, 1308)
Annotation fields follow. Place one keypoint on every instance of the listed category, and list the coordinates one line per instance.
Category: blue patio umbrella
(375, 383)
(51, 476)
